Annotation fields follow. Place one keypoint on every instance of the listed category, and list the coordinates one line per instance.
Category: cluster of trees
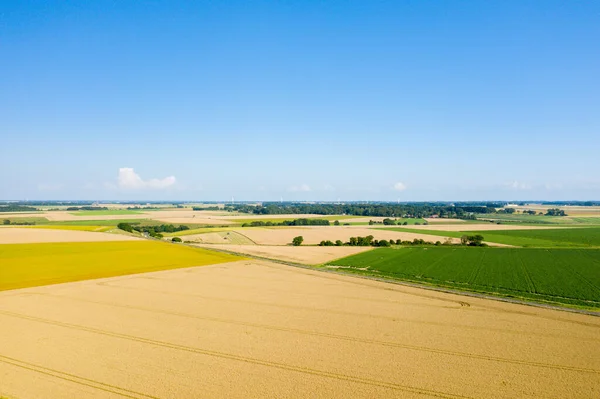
(295, 222)
(16, 208)
(473, 240)
(152, 231)
(393, 222)
(206, 208)
(87, 208)
(7, 222)
(555, 212)
(369, 241)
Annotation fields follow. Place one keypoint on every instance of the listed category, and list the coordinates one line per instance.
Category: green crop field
(558, 276)
(583, 237)
(543, 238)
(107, 212)
(524, 218)
(587, 220)
(29, 265)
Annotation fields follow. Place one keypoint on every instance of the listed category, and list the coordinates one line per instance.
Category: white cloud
(128, 179)
(399, 186)
(515, 185)
(300, 188)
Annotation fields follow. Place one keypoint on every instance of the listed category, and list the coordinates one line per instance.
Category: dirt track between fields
(255, 329)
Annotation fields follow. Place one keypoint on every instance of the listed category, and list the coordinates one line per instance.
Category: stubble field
(314, 235)
(309, 255)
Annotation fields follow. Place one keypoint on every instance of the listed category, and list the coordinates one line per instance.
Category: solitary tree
(176, 239)
(297, 241)
(336, 223)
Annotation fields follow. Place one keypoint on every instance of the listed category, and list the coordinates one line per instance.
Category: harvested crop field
(20, 235)
(314, 235)
(258, 329)
(218, 237)
(305, 255)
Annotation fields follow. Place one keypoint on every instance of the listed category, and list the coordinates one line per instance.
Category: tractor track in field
(75, 378)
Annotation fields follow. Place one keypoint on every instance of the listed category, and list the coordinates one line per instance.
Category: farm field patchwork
(561, 276)
(28, 265)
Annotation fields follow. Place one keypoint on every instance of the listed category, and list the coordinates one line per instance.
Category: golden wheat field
(253, 329)
(309, 255)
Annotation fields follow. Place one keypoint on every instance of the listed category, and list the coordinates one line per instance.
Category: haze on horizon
(300, 100)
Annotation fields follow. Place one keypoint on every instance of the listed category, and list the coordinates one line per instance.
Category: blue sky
(305, 100)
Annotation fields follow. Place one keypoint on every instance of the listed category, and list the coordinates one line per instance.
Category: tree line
(295, 222)
(152, 231)
(475, 240)
(412, 210)
(87, 208)
(7, 222)
(16, 208)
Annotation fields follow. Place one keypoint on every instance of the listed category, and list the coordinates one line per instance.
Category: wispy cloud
(399, 186)
(300, 188)
(128, 179)
(516, 185)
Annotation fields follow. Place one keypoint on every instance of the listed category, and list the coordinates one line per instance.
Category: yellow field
(28, 265)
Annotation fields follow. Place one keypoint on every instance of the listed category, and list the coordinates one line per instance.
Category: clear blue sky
(305, 100)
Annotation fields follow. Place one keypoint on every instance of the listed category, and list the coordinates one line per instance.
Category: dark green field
(555, 237)
(550, 237)
(558, 276)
